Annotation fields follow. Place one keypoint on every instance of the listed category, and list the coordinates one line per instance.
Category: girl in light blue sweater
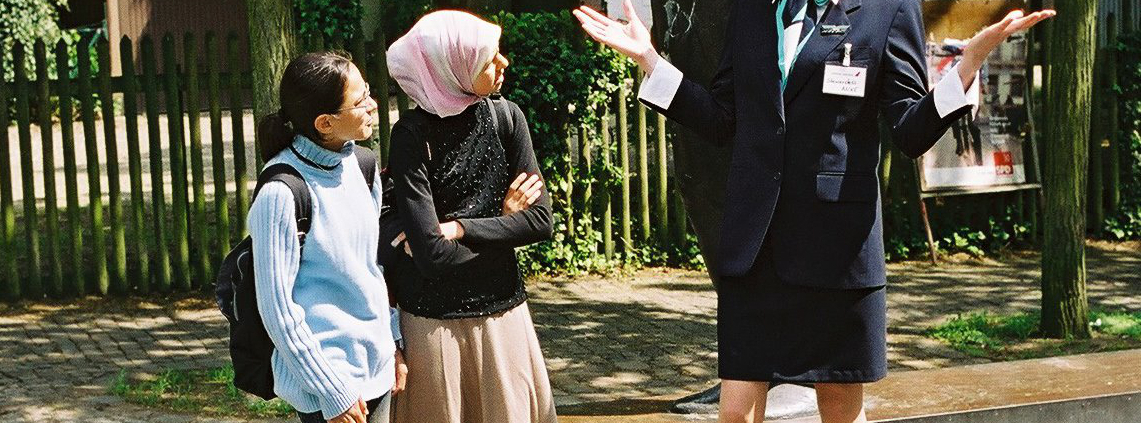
(327, 309)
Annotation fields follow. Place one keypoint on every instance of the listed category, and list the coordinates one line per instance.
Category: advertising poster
(985, 151)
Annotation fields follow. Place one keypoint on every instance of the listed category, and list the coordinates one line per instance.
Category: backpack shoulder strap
(303, 204)
(366, 158)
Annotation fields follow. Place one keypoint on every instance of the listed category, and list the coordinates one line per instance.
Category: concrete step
(1080, 388)
(1088, 388)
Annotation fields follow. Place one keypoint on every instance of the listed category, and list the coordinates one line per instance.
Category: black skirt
(772, 331)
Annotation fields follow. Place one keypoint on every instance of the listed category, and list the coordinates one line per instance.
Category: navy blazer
(804, 170)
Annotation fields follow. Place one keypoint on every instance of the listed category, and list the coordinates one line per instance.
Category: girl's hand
(355, 414)
(401, 373)
(522, 193)
(631, 39)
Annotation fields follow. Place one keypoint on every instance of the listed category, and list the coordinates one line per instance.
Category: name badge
(847, 81)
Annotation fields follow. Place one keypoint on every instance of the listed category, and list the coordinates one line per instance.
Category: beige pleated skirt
(476, 370)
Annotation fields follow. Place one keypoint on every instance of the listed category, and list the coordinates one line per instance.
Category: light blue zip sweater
(326, 310)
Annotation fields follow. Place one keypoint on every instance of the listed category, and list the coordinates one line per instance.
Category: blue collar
(318, 156)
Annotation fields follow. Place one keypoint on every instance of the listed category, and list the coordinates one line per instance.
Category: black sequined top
(457, 169)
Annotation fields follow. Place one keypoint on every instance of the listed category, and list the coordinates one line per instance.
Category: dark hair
(313, 84)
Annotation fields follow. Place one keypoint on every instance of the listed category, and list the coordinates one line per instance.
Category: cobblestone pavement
(608, 340)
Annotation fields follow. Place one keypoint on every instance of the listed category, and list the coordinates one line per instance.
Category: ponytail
(275, 133)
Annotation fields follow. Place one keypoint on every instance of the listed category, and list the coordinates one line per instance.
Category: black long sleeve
(432, 253)
(907, 104)
(524, 227)
(458, 168)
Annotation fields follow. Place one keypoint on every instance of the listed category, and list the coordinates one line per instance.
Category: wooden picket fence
(167, 157)
(170, 163)
(130, 234)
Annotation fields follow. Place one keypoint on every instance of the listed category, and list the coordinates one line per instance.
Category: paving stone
(604, 338)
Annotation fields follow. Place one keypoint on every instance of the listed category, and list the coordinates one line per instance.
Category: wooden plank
(97, 280)
(180, 248)
(199, 235)
(9, 274)
(643, 162)
(663, 209)
(74, 269)
(117, 267)
(586, 151)
(52, 250)
(140, 271)
(31, 280)
(381, 91)
(624, 161)
(221, 233)
(237, 109)
(160, 265)
(605, 197)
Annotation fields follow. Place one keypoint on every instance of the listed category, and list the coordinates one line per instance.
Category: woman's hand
(452, 230)
(522, 193)
(355, 414)
(401, 373)
(631, 39)
(980, 46)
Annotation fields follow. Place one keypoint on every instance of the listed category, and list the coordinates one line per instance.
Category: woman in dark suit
(801, 260)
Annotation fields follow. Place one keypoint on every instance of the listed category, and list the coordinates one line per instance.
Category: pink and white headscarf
(439, 58)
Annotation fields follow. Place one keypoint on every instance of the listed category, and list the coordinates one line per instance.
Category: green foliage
(329, 19)
(1001, 233)
(1125, 223)
(25, 21)
(563, 81)
(398, 16)
(999, 336)
(211, 392)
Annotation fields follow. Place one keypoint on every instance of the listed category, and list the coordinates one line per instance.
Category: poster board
(991, 150)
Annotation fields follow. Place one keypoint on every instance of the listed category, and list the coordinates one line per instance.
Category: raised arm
(708, 111)
(919, 118)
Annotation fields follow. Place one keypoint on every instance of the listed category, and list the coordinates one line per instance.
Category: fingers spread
(631, 14)
(600, 18)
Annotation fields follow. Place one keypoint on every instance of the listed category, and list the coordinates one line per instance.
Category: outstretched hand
(632, 39)
(982, 44)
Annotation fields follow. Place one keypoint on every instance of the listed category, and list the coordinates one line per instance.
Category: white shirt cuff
(660, 86)
(950, 95)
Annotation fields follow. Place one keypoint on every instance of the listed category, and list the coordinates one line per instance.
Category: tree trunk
(1066, 139)
(272, 45)
(691, 38)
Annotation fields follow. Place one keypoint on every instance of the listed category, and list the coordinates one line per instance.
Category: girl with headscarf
(468, 335)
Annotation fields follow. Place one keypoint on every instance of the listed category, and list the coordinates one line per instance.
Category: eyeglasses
(363, 99)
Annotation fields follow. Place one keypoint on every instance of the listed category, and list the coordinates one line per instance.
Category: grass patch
(1016, 336)
(203, 392)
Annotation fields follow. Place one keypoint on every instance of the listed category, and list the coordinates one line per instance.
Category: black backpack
(250, 346)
